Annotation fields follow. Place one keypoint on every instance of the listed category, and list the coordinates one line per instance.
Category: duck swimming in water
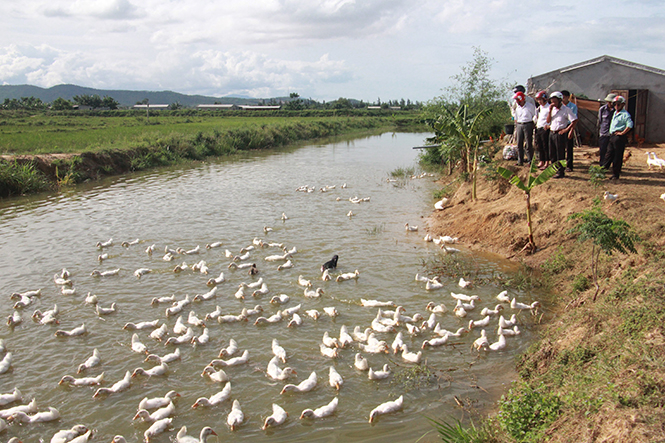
(330, 264)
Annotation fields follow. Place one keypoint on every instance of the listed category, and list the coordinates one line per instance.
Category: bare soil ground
(610, 352)
(497, 221)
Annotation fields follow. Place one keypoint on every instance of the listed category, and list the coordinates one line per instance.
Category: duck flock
(236, 293)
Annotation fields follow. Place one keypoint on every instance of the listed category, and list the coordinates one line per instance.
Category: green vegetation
(471, 110)
(525, 413)
(607, 235)
(532, 181)
(113, 142)
(20, 178)
(403, 172)
(596, 175)
(458, 434)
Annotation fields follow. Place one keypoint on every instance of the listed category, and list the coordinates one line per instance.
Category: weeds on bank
(376, 230)
(525, 413)
(20, 178)
(403, 172)
(456, 433)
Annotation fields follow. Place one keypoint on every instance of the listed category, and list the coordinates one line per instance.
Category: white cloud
(104, 9)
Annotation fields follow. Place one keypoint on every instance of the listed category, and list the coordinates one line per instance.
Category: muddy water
(232, 202)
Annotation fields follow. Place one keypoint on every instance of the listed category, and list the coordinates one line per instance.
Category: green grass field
(46, 134)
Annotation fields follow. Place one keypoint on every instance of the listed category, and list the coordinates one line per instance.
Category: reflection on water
(232, 202)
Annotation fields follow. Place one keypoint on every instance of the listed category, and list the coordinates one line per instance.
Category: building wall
(597, 80)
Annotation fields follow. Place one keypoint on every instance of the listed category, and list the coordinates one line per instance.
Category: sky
(320, 49)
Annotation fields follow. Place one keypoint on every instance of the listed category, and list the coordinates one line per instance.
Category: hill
(124, 97)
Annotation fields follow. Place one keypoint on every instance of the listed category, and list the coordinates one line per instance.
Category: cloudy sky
(323, 49)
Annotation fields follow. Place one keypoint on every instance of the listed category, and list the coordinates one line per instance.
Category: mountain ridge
(126, 98)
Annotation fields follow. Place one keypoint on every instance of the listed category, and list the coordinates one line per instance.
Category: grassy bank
(93, 147)
(597, 371)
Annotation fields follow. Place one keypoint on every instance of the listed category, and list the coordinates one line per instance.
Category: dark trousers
(614, 156)
(603, 142)
(569, 152)
(543, 144)
(558, 146)
(524, 132)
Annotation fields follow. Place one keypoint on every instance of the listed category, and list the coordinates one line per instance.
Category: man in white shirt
(561, 121)
(524, 114)
(542, 132)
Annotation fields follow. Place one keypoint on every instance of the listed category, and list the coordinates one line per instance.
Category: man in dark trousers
(621, 124)
(605, 114)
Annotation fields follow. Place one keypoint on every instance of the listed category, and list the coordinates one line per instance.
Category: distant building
(374, 107)
(259, 107)
(217, 106)
(641, 85)
(155, 107)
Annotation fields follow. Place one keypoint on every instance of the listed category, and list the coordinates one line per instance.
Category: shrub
(525, 413)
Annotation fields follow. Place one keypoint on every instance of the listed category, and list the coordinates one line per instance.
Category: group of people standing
(554, 119)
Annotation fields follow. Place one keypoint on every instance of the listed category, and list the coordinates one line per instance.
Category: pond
(233, 202)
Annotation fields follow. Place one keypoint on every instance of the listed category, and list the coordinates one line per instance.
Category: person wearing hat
(571, 141)
(620, 126)
(524, 115)
(561, 121)
(542, 132)
(605, 114)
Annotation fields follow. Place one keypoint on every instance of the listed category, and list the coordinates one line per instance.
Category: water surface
(232, 202)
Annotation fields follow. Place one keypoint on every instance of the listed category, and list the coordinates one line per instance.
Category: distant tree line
(59, 104)
(293, 103)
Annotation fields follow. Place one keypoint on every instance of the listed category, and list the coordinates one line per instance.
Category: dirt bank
(604, 360)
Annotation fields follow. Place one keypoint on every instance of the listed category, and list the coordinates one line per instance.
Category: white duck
(182, 437)
(75, 332)
(322, 412)
(141, 325)
(397, 343)
(479, 323)
(386, 408)
(410, 228)
(313, 314)
(500, 344)
(275, 318)
(216, 281)
(118, 386)
(492, 312)
(66, 435)
(159, 414)
(336, 381)
(481, 342)
(302, 281)
(288, 264)
(503, 297)
(379, 375)
(157, 428)
(331, 311)
(83, 381)
(207, 295)
(514, 304)
(348, 276)
(295, 321)
(433, 285)
(345, 338)
(30, 408)
(158, 402)
(159, 333)
(155, 371)
(276, 373)
(168, 358)
(215, 399)
(436, 341)
(361, 363)
(141, 272)
(231, 349)
(506, 324)
(165, 299)
(509, 332)
(39, 417)
(376, 303)
(411, 357)
(304, 386)
(11, 397)
(441, 204)
(313, 294)
(137, 346)
(182, 339)
(328, 352)
(277, 418)
(236, 416)
(105, 311)
(263, 290)
(216, 376)
(233, 361)
(280, 299)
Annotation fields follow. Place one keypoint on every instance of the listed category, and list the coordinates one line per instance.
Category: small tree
(61, 104)
(110, 102)
(532, 181)
(607, 235)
